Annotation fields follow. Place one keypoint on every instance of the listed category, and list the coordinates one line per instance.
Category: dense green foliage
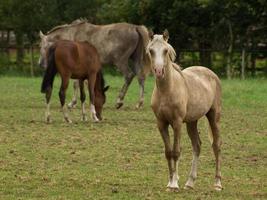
(201, 26)
(123, 156)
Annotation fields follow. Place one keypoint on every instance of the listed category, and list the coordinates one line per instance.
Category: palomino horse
(184, 96)
(77, 60)
(120, 44)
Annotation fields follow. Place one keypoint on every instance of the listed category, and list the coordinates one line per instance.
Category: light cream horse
(184, 96)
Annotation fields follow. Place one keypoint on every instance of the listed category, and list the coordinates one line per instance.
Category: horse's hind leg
(141, 81)
(47, 112)
(75, 94)
(82, 97)
(196, 143)
(214, 118)
(62, 96)
(128, 77)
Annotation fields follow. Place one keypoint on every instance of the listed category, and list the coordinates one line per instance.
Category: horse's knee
(168, 154)
(129, 77)
(176, 155)
(216, 145)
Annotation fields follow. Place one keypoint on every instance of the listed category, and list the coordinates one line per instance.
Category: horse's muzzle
(159, 72)
(41, 63)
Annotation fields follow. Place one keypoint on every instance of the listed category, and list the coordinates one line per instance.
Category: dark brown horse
(76, 60)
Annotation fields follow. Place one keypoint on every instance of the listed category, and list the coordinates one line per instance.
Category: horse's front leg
(91, 87)
(176, 151)
(163, 129)
(62, 96)
(47, 112)
(73, 102)
(82, 98)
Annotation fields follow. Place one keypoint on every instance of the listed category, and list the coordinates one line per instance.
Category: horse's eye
(151, 51)
(165, 51)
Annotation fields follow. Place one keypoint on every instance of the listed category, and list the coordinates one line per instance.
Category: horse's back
(78, 58)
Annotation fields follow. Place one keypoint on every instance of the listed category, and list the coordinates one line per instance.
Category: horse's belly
(198, 105)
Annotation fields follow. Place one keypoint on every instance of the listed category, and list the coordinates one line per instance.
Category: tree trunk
(7, 45)
(230, 52)
(205, 54)
(20, 48)
(253, 64)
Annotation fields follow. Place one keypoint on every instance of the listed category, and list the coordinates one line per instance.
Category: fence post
(31, 52)
(243, 64)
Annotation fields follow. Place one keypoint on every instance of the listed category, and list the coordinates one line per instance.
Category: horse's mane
(73, 23)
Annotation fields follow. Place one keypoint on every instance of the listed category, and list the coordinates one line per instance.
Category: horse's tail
(50, 72)
(140, 51)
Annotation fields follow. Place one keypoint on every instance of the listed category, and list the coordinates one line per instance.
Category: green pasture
(123, 156)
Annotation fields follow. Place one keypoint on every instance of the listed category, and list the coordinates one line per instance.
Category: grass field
(123, 156)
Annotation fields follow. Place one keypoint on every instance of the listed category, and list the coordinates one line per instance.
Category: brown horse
(76, 60)
(184, 96)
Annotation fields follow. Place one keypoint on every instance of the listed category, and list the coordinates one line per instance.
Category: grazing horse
(77, 60)
(184, 96)
(119, 44)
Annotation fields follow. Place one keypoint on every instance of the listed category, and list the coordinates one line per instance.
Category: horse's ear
(106, 88)
(166, 35)
(41, 34)
(151, 34)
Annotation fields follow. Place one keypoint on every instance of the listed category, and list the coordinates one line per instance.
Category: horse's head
(160, 53)
(100, 96)
(45, 43)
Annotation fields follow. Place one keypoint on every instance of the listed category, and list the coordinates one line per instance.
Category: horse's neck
(170, 80)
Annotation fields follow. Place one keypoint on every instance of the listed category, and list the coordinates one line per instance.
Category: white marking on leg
(173, 182)
(74, 98)
(218, 184)
(93, 113)
(193, 173)
(84, 118)
(65, 114)
(47, 113)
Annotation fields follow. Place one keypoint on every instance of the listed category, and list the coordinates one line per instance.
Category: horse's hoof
(68, 120)
(218, 187)
(48, 120)
(95, 119)
(169, 189)
(71, 105)
(139, 105)
(84, 119)
(188, 187)
(119, 104)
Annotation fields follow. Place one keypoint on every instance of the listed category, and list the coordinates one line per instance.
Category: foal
(76, 60)
(184, 96)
